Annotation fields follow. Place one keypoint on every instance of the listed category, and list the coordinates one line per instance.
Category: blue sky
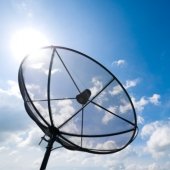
(130, 38)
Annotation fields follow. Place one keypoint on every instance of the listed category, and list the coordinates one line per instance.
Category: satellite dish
(76, 102)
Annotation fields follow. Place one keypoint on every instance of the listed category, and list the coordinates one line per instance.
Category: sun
(25, 41)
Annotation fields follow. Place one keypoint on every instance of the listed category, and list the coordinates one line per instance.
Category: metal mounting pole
(47, 153)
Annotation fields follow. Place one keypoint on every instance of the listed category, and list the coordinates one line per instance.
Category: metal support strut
(47, 153)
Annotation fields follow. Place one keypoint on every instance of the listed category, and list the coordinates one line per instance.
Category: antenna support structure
(76, 101)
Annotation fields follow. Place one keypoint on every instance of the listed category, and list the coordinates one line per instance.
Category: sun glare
(25, 41)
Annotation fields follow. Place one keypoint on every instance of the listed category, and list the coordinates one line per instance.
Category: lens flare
(25, 41)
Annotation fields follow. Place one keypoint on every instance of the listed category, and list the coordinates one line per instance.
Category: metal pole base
(47, 154)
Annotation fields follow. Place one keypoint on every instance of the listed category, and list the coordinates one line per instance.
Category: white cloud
(13, 153)
(97, 86)
(131, 83)
(43, 109)
(34, 89)
(140, 119)
(155, 144)
(116, 90)
(143, 101)
(53, 71)
(128, 158)
(125, 107)
(153, 166)
(33, 138)
(36, 66)
(71, 127)
(155, 99)
(140, 104)
(158, 143)
(3, 149)
(108, 116)
(107, 145)
(12, 89)
(10, 94)
(100, 99)
(19, 158)
(119, 62)
(148, 129)
(65, 107)
(41, 66)
(135, 167)
(63, 110)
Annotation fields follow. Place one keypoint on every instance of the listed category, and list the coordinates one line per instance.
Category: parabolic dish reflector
(77, 101)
